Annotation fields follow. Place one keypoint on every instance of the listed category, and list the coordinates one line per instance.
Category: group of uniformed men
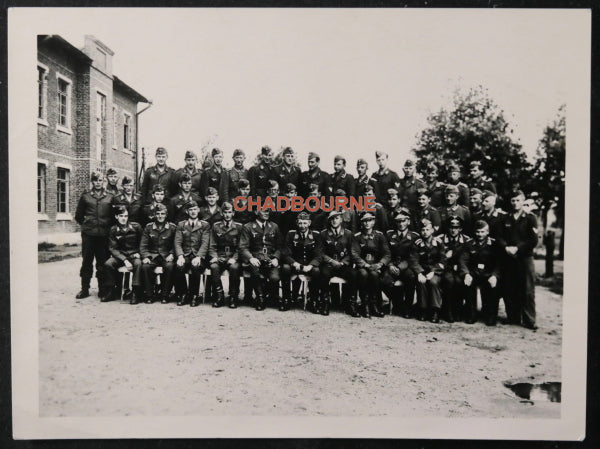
(440, 240)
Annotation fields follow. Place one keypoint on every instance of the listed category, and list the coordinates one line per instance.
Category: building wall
(120, 158)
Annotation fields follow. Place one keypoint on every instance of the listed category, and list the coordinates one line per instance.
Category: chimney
(100, 54)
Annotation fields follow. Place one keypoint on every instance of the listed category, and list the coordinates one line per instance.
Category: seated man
(301, 254)
(401, 267)
(124, 245)
(192, 237)
(336, 243)
(429, 268)
(480, 267)
(371, 254)
(454, 290)
(157, 249)
(260, 245)
(223, 255)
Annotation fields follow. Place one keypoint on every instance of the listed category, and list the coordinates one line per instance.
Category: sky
(330, 81)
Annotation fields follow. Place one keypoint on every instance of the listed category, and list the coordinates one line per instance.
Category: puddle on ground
(547, 391)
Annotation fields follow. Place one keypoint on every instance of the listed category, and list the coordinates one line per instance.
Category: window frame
(43, 214)
(127, 138)
(43, 95)
(59, 126)
(66, 215)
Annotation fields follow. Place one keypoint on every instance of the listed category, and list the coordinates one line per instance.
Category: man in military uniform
(237, 173)
(318, 217)
(243, 216)
(215, 176)
(112, 181)
(157, 174)
(475, 207)
(385, 178)
(259, 174)
(124, 246)
(371, 254)
(336, 246)
(94, 215)
(260, 250)
(363, 179)
(435, 187)
(518, 239)
(177, 210)
(452, 281)
(392, 208)
(314, 175)
(132, 201)
(287, 173)
(211, 212)
(453, 209)
(340, 179)
(409, 185)
(158, 197)
(454, 180)
(302, 255)
(491, 215)
(478, 180)
(287, 219)
(349, 217)
(429, 268)
(425, 210)
(401, 267)
(192, 238)
(157, 249)
(190, 169)
(273, 193)
(381, 219)
(480, 268)
(223, 255)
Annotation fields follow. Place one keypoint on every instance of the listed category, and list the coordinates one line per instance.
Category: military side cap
(423, 191)
(450, 188)
(111, 171)
(126, 180)
(476, 191)
(409, 163)
(189, 155)
(273, 184)
(380, 153)
(160, 208)
(432, 168)
(403, 212)
(161, 150)
(474, 164)
(216, 151)
(339, 158)
(515, 193)
(313, 187)
(95, 176)
(480, 224)
(455, 221)
(226, 206)
(238, 152)
(303, 216)
(340, 192)
(361, 161)
(313, 155)
(190, 204)
(265, 150)
(243, 183)
(487, 193)
(290, 187)
(287, 150)
(333, 214)
(392, 191)
(369, 188)
(426, 222)
(120, 209)
(453, 167)
(211, 191)
(185, 178)
(158, 188)
(367, 216)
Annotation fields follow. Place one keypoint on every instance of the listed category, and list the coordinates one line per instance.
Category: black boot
(260, 296)
(325, 303)
(435, 315)
(375, 308)
(220, 298)
(182, 299)
(85, 289)
(365, 305)
(233, 299)
(112, 295)
(352, 306)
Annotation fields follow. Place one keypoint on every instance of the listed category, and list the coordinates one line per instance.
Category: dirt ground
(115, 359)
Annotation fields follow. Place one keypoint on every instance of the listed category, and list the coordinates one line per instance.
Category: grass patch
(554, 283)
(44, 246)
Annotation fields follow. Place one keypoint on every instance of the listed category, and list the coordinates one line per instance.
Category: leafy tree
(474, 128)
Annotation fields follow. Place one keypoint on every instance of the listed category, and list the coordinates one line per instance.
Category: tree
(474, 128)
(548, 172)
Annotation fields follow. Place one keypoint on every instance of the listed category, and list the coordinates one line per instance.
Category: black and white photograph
(349, 223)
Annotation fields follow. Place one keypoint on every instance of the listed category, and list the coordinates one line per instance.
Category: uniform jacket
(463, 193)
(480, 259)
(263, 243)
(350, 221)
(495, 221)
(243, 216)
(148, 212)
(124, 242)
(306, 250)
(112, 189)
(152, 177)
(381, 218)
(390, 215)
(460, 211)
(370, 250)
(134, 207)
(235, 176)
(318, 220)
(317, 176)
(407, 191)
(224, 241)
(196, 176)
(402, 248)
(361, 183)
(482, 184)
(454, 248)
(94, 213)
(428, 212)
(284, 176)
(437, 193)
(206, 215)
(344, 181)
(158, 242)
(520, 232)
(211, 177)
(337, 247)
(176, 206)
(287, 221)
(259, 176)
(385, 180)
(430, 257)
(192, 240)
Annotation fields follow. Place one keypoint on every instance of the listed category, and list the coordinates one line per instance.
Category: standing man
(478, 180)
(519, 238)
(287, 173)
(452, 279)
(340, 179)
(259, 174)
(434, 186)
(112, 180)
(336, 246)
(475, 207)
(392, 207)
(453, 209)
(243, 216)
(177, 211)
(260, 245)
(94, 214)
(454, 180)
(215, 176)
(287, 219)
(318, 217)
(425, 210)
(381, 219)
(211, 213)
(491, 215)
(302, 255)
(132, 201)
(223, 255)
(314, 175)
(191, 161)
(157, 249)
(192, 238)
(124, 246)
(157, 174)
(363, 179)
(158, 197)
(409, 186)
(385, 178)
(237, 173)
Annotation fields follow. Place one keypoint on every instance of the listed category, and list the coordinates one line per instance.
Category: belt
(265, 250)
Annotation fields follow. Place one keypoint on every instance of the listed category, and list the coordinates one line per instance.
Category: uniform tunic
(386, 179)
(259, 176)
(152, 177)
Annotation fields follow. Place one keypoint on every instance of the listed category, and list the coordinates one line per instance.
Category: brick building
(87, 120)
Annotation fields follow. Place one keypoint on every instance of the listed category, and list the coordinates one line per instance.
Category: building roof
(119, 84)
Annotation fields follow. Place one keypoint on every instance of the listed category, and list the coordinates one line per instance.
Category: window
(127, 132)
(64, 103)
(101, 59)
(41, 188)
(114, 130)
(62, 190)
(100, 118)
(42, 92)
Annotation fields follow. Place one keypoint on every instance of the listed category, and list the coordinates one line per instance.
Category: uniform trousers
(313, 280)
(113, 276)
(93, 247)
(217, 268)
(195, 272)
(454, 293)
(519, 290)
(429, 294)
(489, 299)
(403, 295)
(147, 270)
(368, 283)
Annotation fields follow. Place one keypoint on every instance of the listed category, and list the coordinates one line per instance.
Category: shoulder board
(390, 232)
(357, 234)
(378, 232)
(419, 241)
(461, 184)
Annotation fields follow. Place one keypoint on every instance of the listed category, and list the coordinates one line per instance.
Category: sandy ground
(114, 359)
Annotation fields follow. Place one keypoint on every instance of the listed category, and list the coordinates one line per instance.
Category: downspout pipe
(137, 126)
